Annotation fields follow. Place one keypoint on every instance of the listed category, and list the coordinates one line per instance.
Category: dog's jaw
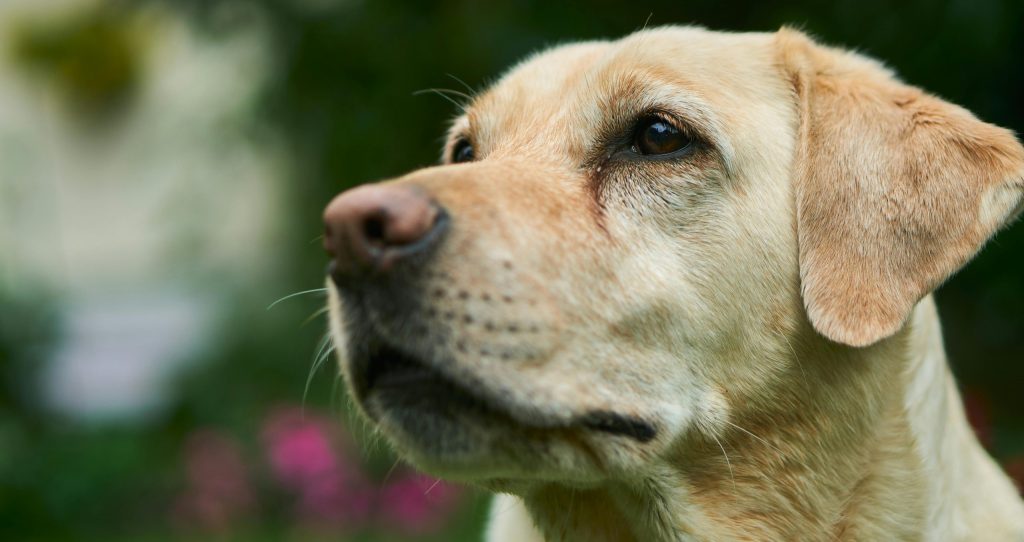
(480, 427)
(740, 483)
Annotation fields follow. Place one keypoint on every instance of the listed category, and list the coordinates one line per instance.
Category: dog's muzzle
(409, 357)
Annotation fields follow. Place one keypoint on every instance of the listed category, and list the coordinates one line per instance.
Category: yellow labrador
(677, 287)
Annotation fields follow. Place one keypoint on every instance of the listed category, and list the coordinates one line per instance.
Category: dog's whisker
(296, 294)
(765, 442)
(325, 349)
(313, 316)
(727, 462)
(387, 475)
(469, 89)
(321, 344)
(442, 92)
(459, 93)
(796, 360)
(317, 238)
(646, 22)
(438, 481)
(326, 355)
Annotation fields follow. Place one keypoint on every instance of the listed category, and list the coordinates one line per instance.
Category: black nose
(371, 228)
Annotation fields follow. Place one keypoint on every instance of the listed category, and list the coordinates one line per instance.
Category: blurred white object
(117, 358)
(146, 226)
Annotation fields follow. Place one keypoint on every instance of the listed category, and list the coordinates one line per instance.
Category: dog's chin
(430, 414)
(456, 427)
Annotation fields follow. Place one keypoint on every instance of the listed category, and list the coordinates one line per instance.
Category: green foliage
(341, 96)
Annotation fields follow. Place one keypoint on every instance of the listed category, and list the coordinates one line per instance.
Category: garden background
(163, 166)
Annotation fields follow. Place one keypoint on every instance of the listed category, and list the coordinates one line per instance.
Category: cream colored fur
(763, 301)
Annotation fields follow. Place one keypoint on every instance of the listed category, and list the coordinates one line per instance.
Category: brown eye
(655, 135)
(462, 151)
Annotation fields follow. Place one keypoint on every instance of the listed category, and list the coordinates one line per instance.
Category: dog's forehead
(549, 72)
(563, 93)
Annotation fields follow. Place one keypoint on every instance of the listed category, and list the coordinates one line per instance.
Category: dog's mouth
(395, 383)
(396, 379)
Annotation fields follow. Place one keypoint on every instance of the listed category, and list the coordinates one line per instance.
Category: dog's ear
(895, 189)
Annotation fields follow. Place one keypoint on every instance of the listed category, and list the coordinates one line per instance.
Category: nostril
(375, 229)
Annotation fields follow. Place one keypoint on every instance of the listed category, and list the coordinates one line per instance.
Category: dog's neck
(860, 456)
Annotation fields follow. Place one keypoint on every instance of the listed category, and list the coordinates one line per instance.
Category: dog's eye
(463, 151)
(655, 135)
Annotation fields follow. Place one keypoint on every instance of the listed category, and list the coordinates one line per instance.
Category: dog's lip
(389, 369)
(393, 370)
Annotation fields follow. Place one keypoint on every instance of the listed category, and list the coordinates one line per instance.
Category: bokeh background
(163, 164)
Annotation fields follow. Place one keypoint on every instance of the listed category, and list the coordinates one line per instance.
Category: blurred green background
(163, 164)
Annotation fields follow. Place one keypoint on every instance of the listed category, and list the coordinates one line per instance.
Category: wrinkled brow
(609, 102)
(631, 95)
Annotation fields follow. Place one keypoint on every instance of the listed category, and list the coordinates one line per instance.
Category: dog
(678, 287)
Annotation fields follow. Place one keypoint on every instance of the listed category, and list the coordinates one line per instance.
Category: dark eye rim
(644, 121)
(462, 144)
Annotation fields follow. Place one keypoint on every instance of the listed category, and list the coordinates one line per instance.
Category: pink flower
(308, 457)
(417, 504)
(330, 488)
(299, 450)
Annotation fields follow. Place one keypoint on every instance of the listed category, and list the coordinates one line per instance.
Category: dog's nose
(373, 227)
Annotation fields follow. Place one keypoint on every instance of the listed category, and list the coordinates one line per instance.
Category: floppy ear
(895, 189)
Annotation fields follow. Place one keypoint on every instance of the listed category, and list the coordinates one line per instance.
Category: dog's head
(626, 239)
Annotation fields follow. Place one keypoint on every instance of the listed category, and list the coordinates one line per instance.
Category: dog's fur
(761, 303)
